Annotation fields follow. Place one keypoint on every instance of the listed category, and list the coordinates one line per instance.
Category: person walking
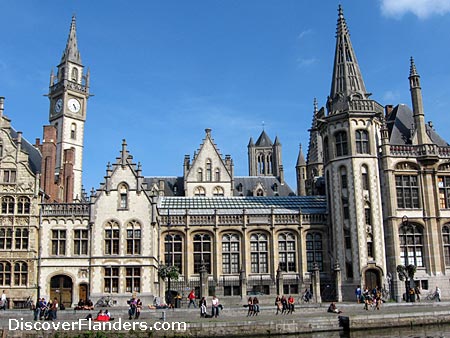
(4, 301)
(358, 294)
(191, 298)
(438, 294)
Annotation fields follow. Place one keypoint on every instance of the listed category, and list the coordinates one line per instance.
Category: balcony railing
(65, 209)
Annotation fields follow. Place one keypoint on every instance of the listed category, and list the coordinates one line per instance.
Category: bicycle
(305, 298)
(432, 295)
(106, 301)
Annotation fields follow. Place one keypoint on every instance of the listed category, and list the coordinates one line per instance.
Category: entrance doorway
(83, 292)
(372, 278)
(61, 289)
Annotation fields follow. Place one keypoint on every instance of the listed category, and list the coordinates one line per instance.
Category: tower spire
(71, 52)
(347, 79)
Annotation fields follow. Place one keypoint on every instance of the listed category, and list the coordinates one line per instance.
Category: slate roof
(34, 155)
(229, 205)
(263, 140)
(169, 183)
(400, 122)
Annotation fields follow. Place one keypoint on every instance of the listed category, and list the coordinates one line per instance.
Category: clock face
(74, 105)
(58, 105)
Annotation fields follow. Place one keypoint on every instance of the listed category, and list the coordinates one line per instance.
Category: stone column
(203, 281)
(316, 284)
(337, 271)
(243, 283)
(279, 281)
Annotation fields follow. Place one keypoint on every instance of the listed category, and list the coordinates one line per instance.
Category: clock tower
(68, 94)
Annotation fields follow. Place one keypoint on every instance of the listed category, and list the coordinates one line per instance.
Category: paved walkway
(306, 318)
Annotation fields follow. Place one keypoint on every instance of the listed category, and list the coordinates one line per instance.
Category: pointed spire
(71, 52)
(263, 140)
(301, 157)
(412, 68)
(277, 141)
(347, 77)
(251, 143)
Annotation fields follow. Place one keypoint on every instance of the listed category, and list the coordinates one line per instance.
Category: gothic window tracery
(230, 253)
(133, 238)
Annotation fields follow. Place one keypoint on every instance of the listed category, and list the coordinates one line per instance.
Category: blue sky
(163, 71)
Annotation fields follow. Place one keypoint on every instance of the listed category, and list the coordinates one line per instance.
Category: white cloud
(420, 8)
(304, 33)
(391, 97)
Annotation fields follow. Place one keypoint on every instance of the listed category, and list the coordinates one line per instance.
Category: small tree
(169, 272)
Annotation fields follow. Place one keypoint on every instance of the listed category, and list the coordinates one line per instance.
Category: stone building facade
(372, 194)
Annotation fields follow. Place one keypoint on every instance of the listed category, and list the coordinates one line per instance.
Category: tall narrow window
(133, 279)
(6, 237)
(217, 175)
(218, 191)
(230, 254)
(444, 192)
(123, 196)
(23, 205)
(286, 252)
(58, 242)
(173, 251)
(370, 246)
(411, 245)
(326, 152)
(341, 143)
(7, 205)
(80, 242)
(314, 251)
(344, 180)
(20, 274)
(111, 280)
(259, 253)
(446, 243)
(133, 238)
(202, 252)
(368, 214)
(21, 238)
(364, 178)
(407, 191)
(362, 141)
(74, 74)
(200, 175)
(208, 171)
(5, 274)
(73, 131)
(112, 237)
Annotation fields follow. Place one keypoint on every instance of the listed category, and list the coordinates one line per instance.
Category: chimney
(388, 109)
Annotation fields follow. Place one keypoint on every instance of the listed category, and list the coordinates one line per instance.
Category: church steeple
(71, 52)
(347, 80)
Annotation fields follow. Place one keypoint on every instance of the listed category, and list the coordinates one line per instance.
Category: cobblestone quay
(233, 321)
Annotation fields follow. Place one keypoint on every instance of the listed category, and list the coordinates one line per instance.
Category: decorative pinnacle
(315, 106)
(412, 69)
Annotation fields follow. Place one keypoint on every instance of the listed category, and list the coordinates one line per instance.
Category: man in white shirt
(3, 300)
(215, 306)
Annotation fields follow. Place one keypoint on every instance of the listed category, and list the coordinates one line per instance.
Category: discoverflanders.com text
(91, 325)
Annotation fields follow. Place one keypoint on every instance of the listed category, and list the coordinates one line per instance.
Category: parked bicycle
(432, 295)
(305, 297)
(106, 301)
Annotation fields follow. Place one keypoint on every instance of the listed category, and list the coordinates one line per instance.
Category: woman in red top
(291, 302)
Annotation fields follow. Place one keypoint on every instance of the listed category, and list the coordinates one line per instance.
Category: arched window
(112, 238)
(365, 178)
(173, 251)
(314, 250)
(269, 164)
(202, 252)
(230, 253)
(259, 192)
(21, 238)
(411, 245)
(5, 274)
(133, 238)
(200, 175)
(259, 253)
(74, 74)
(199, 192)
(73, 131)
(341, 143)
(217, 175)
(218, 191)
(7, 205)
(123, 196)
(261, 164)
(20, 274)
(208, 171)
(286, 252)
(6, 237)
(446, 243)
(23, 205)
(362, 141)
